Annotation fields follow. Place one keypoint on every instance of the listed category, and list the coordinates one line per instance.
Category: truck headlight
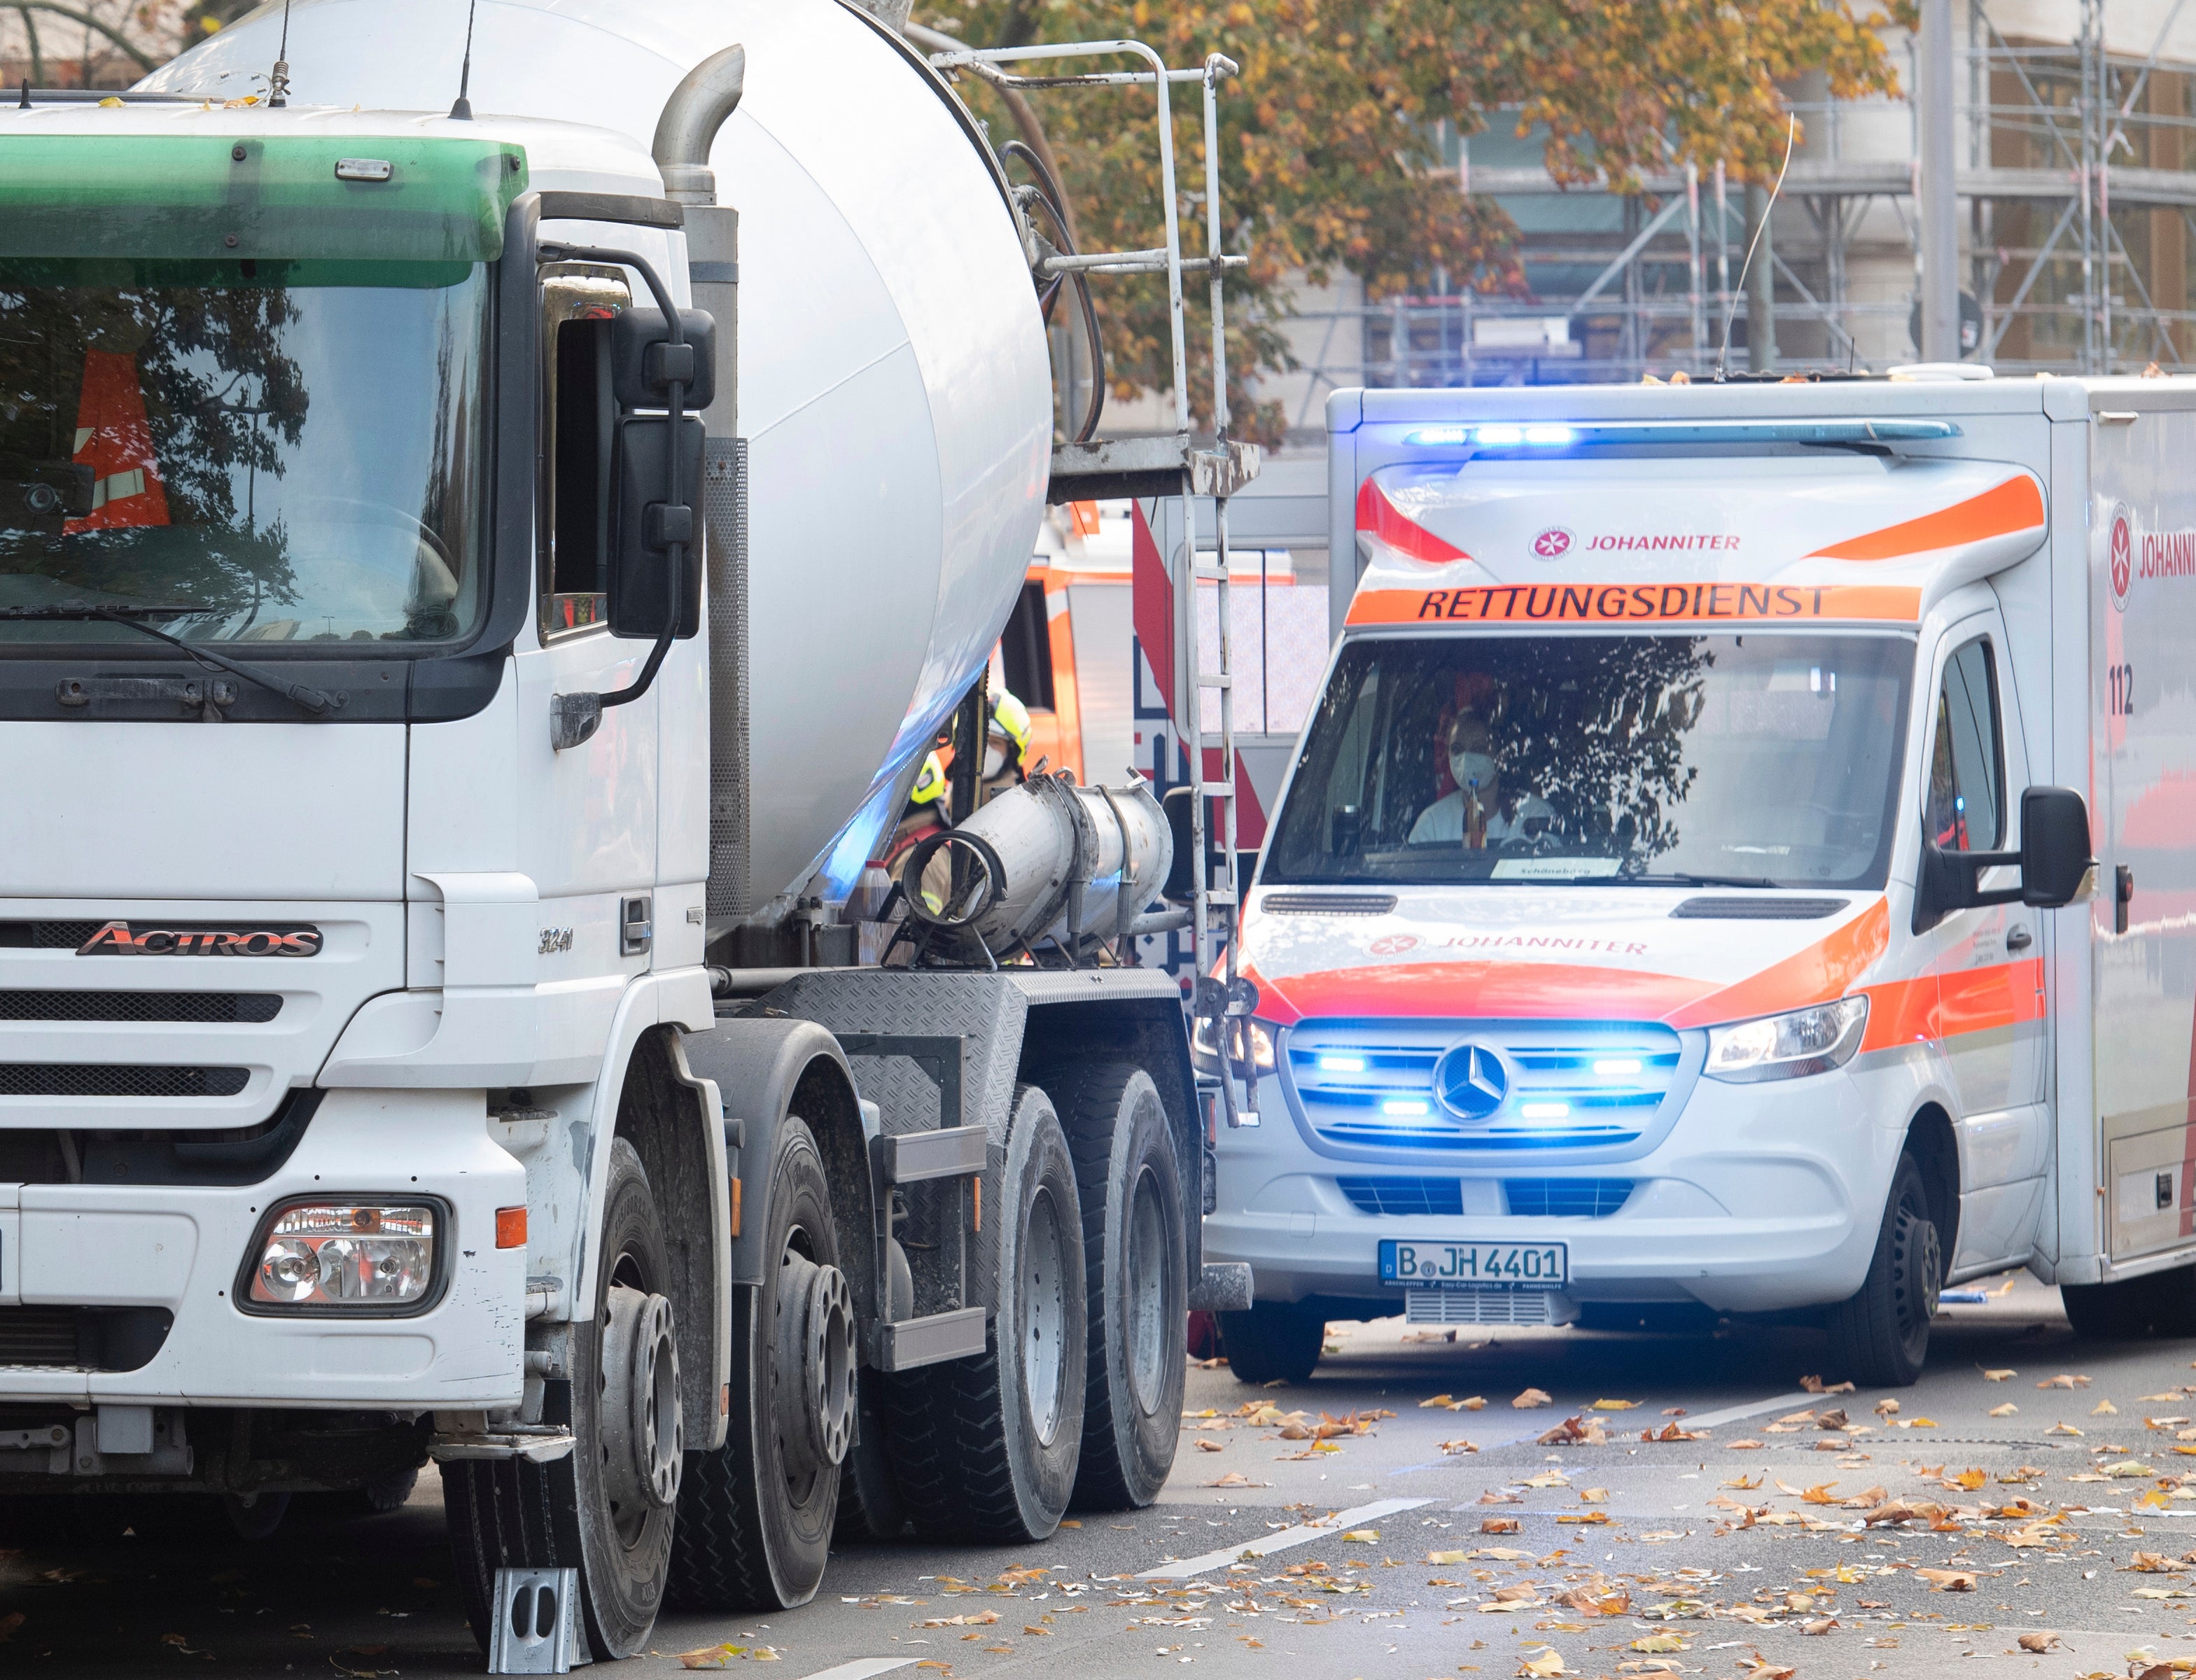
(349, 1253)
(1205, 1050)
(1787, 1047)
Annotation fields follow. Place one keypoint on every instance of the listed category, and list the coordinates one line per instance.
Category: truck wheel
(607, 1508)
(1137, 1272)
(1880, 1337)
(987, 1446)
(2162, 1303)
(1275, 1341)
(755, 1516)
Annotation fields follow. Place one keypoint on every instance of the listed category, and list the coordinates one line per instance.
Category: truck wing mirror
(644, 360)
(647, 522)
(2054, 861)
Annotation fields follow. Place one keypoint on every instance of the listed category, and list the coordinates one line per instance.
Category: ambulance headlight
(1787, 1047)
(1204, 1048)
(344, 1256)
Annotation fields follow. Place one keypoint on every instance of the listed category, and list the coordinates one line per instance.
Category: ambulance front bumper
(1758, 1199)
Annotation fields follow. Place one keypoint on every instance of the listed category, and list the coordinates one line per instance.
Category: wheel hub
(643, 1425)
(1044, 1318)
(816, 1356)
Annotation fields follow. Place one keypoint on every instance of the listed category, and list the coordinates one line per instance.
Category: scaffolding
(2078, 210)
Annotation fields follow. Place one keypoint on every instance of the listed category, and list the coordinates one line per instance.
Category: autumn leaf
(1211, 1446)
(1364, 1537)
(1531, 1398)
(1500, 1525)
(1459, 1446)
(1948, 1580)
(1998, 1376)
(1969, 1480)
(2064, 1380)
(2006, 1410)
(2042, 1640)
(1545, 1666)
(1657, 1644)
(2104, 1408)
(1613, 1405)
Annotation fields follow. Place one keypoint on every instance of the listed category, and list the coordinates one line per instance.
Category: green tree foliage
(1329, 160)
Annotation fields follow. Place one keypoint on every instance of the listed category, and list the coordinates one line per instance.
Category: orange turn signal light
(511, 1227)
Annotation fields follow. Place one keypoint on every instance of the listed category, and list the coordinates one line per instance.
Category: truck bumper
(178, 1250)
(1759, 1198)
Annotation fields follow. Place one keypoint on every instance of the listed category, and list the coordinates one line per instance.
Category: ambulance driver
(1477, 812)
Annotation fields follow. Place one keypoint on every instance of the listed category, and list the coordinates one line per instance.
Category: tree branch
(37, 57)
(143, 61)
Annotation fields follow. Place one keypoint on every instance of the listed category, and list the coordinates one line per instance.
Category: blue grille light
(1616, 1066)
(1407, 1107)
(1556, 435)
(1501, 438)
(1546, 1111)
(1437, 435)
(1342, 1064)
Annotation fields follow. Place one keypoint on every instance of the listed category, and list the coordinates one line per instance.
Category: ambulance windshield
(1761, 759)
(256, 452)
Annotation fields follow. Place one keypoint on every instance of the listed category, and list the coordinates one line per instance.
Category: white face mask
(1472, 768)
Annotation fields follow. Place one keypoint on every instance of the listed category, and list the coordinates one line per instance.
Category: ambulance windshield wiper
(128, 614)
(1680, 879)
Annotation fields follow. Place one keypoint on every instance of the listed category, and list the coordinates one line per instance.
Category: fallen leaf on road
(1444, 1557)
(1886, 1408)
(2151, 1564)
(1593, 1496)
(1211, 1446)
(1613, 1405)
(1742, 1446)
(1233, 1479)
(1658, 1643)
(1364, 1537)
(2006, 1410)
(1576, 1430)
(1531, 1398)
(1814, 1385)
(1547, 1479)
(1500, 1525)
(1819, 1494)
(1459, 1444)
(1969, 1480)
(2104, 1409)
(1545, 1666)
(2062, 1429)
(1819, 1626)
(1586, 1517)
(1998, 1376)
(1442, 1401)
(1948, 1580)
(1671, 1432)
(2038, 1641)
(711, 1656)
(974, 1618)
(2063, 1380)
(1476, 1403)
(1743, 1483)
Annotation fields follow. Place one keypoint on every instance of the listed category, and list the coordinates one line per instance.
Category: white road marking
(1280, 1540)
(1731, 1414)
(861, 1668)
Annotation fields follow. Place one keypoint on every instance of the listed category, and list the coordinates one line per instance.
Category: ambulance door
(2142, 700)
(1986, 961)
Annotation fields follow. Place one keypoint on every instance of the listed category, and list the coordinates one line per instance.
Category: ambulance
(1742, 862)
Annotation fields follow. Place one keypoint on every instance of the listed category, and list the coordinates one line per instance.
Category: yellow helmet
(1011, 719)
(929, 783)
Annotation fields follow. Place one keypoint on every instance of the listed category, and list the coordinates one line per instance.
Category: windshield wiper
(1680, 879)
(128, 612)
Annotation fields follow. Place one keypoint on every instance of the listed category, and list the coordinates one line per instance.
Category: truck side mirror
(2054, 846)
(647, 522)
(2053, 860)
(644, 360)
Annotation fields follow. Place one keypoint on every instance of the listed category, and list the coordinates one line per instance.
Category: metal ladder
(1173, 465)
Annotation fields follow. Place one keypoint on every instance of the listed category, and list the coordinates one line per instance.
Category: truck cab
(1662, 913)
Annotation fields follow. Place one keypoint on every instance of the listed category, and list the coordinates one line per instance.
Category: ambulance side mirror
(2053, 860)
(2055, 847)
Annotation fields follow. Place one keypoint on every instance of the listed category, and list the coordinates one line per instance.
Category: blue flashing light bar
(1408, 1108)
(1518, 435)
(1342, 1064)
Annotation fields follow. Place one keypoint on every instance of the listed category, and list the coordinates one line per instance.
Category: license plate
(1475, 1265)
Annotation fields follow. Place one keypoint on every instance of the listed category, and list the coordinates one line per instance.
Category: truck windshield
(276, 453)
(1763, 759)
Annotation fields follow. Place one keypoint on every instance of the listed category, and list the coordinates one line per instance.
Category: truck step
(951, 1151)
(930, 1341)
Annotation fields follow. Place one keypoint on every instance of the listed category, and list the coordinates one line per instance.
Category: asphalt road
(1626, 1557)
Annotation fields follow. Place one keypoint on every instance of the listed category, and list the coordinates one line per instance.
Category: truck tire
(755, 1516)
(1880, 1337)
(1136, 1268)
(608, 1509)
(1275, 1341)
(987, 1446)
(2164, 1303)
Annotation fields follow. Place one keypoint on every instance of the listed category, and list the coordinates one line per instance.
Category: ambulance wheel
(607, 1508)
(755, 1517)
(1880, 1337)
(987, 1446)
(2162, 1303)
(1275, 1341)
(1136, 1268)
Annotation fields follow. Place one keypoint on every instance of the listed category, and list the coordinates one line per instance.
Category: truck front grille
(1565, 1085)
(216, 1007)
(47, 936)
(90, 1338)
(101, 1079)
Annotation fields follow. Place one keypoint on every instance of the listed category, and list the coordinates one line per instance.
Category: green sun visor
(157, 199)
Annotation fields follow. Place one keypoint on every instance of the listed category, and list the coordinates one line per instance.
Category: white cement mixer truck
(446, 695)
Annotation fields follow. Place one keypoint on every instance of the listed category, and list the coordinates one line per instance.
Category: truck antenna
(462, 110)
(1791, 134)
(278, 84)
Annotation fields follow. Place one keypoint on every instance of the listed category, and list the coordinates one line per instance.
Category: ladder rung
(1220, 679)
(1217, 790)
(1211, 574)
(1218, 895)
